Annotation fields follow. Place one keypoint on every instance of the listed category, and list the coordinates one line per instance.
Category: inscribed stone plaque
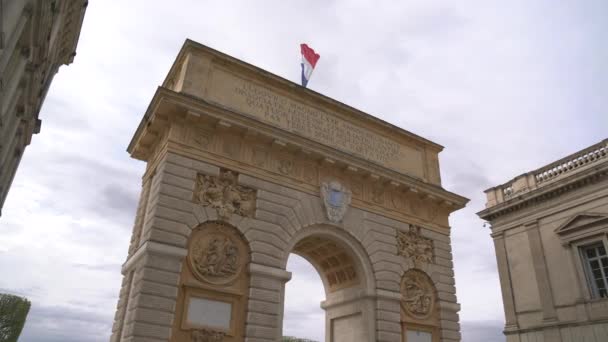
(209, 313)
(272, 107)
(418, 336)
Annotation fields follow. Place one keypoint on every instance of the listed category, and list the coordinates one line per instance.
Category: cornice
(157, 118)
(546, 193)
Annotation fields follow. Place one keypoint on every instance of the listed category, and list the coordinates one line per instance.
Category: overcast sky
(505, 86)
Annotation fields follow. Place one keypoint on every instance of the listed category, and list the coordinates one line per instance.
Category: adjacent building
(550, 230)
(36, 38)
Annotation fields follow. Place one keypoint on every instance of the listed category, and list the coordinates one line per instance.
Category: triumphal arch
(244, 168)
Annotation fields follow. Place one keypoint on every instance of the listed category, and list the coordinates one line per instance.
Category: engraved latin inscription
(316, 124)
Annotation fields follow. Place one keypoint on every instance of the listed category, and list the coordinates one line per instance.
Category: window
(596, 264)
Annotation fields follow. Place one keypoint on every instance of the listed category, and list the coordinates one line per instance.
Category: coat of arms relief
(224, 194)
(336, 198)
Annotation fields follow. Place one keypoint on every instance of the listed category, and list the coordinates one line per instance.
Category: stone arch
(348, 279)
(344, 241)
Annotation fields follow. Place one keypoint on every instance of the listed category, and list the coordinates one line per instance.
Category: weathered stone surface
(228, 197)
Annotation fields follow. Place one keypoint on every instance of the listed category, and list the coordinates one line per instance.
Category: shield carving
(336, 198)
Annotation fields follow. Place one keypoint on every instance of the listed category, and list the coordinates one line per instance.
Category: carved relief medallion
(336, 198)
(205, 335)
(417, 294)
(215, 258)
(412, 245)
(225, 195)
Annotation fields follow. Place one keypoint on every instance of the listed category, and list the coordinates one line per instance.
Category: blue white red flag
(309, 60)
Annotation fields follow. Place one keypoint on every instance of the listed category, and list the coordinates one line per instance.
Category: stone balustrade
(548, 174)
(572, 162)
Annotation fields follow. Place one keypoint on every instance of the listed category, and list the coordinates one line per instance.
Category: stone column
(388, 310)
(266, 302)
(155, 269)
(505, 282)
(349, 315)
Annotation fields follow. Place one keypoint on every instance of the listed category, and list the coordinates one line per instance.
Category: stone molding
(152, 247)
(270, 272)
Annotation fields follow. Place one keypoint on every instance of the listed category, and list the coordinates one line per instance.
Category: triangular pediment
(581, 221)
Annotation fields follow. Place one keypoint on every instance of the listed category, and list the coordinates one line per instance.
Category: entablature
(194, 127)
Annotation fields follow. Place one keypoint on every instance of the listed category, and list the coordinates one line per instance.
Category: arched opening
(336, 297)
(303, 317)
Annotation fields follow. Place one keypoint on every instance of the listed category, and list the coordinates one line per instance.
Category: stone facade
(544, 224)
(36, 38)
(244, 168)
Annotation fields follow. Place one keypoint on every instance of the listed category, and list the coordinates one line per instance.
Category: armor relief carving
(215, 257)
(225, 195)
(417, 295)
(206, 335)
(336, 198)
(412, 245)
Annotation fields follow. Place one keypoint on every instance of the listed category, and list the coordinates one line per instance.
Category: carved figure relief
(309, 173)
(417, 294)
(336, 198)
(197, 137)
(225, 195)
(214, 258)
(205, 335)
(285, 166)
(412, 245)
(259, 157)
(398, 201)
(377, 193)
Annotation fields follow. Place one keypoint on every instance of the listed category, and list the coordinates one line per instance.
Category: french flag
(309, 60)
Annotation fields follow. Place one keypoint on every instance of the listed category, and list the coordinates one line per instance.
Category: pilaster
(505, 282)
(540, 269)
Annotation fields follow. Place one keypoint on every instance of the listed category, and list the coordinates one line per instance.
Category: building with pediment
(244, 168)
(550, 231)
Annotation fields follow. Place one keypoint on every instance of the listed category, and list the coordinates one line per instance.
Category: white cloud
(505, 86)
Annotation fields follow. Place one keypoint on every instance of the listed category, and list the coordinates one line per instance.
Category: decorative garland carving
(215, 257)
(417, 294)
(225, 195)
(412, 245)
(206, 335)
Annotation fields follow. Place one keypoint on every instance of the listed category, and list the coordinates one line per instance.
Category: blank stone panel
(209, 313)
